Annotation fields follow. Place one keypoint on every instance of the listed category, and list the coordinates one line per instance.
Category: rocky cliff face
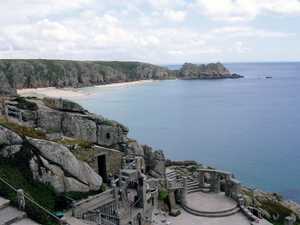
(51, 159)
(58, 117)
(58, 73)
(49, 162)
(18, 74)
(209, 71)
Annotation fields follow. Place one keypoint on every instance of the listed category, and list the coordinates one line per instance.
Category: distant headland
(39, 73)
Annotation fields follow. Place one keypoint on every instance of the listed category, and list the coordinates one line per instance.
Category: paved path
(210, 202)
(11, 215)
(187, 219)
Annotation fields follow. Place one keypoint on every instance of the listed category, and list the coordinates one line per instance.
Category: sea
(249, 126)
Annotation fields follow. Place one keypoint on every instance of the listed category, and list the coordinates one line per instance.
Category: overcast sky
(157, 31)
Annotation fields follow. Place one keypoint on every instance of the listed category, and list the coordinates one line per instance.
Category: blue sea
(250, 126)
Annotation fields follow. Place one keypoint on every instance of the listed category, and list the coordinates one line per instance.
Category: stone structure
(203, 180)
(65, 118)
(130, 200)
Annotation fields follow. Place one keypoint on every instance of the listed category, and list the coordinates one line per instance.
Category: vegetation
(163, 195)
(275, 208)
(24, 104)
(21, 178)
(81, 149)
(22, 130)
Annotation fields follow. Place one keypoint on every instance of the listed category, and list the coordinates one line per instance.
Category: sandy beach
(71, 93)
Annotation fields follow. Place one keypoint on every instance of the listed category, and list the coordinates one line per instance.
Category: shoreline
(72, 93)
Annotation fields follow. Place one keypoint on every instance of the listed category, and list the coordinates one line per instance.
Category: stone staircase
(223, 213)
(12, 216)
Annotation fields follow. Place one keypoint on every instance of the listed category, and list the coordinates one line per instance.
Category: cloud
(149, 30)
(176, 16)
(241, 10)
(249, 32)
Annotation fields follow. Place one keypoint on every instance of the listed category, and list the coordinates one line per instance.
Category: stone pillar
(201, 179)
(289, 220)
(20, 116)
(172, 200)
(144, 193)
(116, 193)
(6, 110)
(21, 199)
(213, 181)
(217, 185)
(184, 191)
(227, 186)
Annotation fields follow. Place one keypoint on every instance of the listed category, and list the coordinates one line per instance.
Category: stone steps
(223, 213)
(205, 190)
(3, 203)
(12, 216)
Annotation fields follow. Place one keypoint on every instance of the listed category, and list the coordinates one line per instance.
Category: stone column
(20, 116)
(184, 191)
(172, 200)
(201, 179)
(21, 199)
(217, 187)
(227, 186)
(289, 220)
(213, 181)
(116, 193)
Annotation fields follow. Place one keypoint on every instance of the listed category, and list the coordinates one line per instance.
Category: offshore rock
(209, 71)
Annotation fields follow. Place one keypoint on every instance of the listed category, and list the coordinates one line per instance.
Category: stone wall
(113, 160)
(64, 117)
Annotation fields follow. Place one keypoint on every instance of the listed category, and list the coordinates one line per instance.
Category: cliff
(60, 136)
(209, 71)
(36, 73)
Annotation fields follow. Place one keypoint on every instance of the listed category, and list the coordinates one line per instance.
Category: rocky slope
(18, 74)
(209, 71)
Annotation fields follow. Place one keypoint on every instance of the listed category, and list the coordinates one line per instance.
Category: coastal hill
(37, 73)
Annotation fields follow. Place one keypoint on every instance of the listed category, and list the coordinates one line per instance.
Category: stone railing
(31, 207)
(93, 203)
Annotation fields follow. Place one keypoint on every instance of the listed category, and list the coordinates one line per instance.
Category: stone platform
(210, 202)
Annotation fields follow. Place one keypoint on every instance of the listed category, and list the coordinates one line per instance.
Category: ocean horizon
(249, 126)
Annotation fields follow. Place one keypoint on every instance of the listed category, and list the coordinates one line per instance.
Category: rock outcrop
(209, 71)
(155, 161)
(57, 165)
(66, 118)
(50, 162)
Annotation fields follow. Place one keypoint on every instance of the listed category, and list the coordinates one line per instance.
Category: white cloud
(176, 16)
(149, 30)
(240, 10)
(250, 32)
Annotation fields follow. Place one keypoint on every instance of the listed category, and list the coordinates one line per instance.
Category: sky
(155, 31)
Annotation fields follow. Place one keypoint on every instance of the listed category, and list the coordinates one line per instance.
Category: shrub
(22, 130)
(163, 195)
(24, 104)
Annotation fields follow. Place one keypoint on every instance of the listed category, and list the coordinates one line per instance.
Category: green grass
(22, 130)
(163, 195)
(43, 194)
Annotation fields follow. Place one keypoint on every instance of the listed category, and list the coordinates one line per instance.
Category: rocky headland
(39, 73)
